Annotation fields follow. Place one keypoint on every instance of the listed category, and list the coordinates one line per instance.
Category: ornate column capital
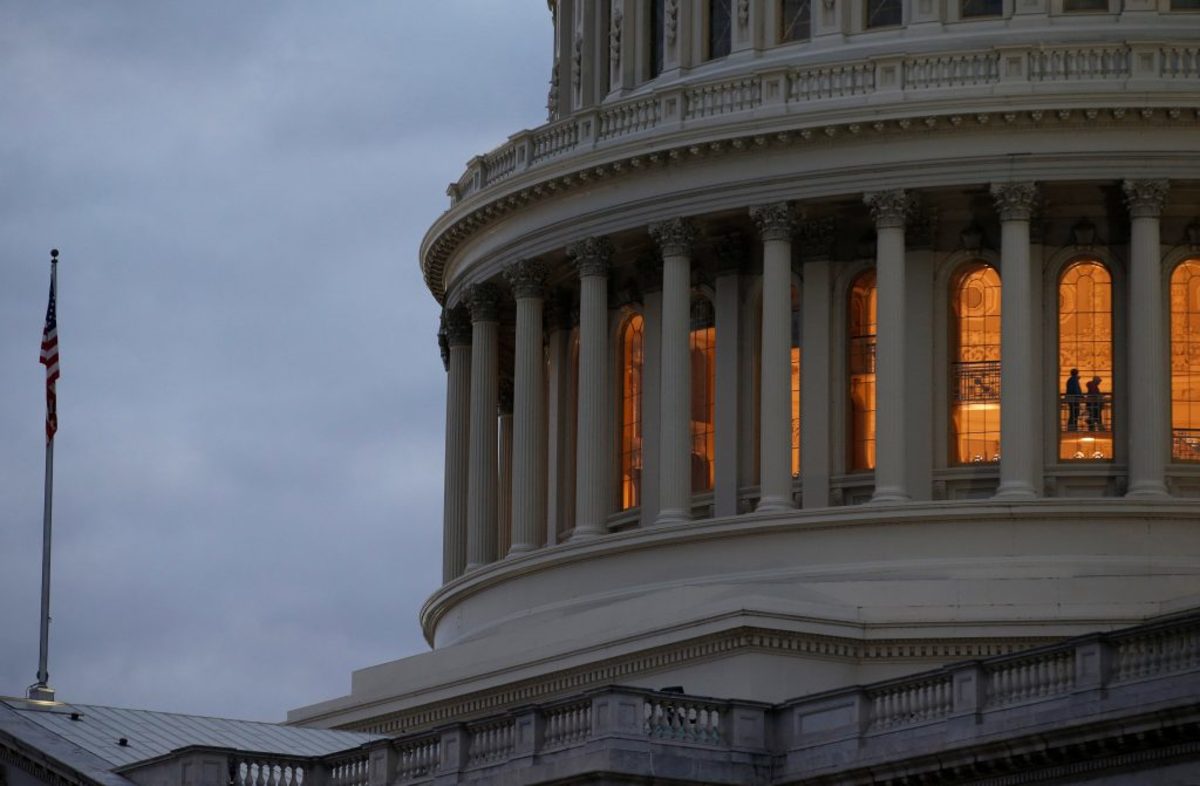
(484, 302)
(527, 278)
(1015, 201)
(817, 237)
(1145, 198)
(888, 208)
(591, 256)
(776, 221)
(457, 325)
(674, 237)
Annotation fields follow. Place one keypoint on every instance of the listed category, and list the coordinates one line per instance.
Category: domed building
(836, 361)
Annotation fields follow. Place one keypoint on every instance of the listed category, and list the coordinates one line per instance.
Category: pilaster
(731, 256)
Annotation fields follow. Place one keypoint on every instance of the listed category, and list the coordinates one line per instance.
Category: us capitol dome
(812, 349)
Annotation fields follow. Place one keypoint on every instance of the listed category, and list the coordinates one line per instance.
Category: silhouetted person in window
(1095, 405)
(1074, 396)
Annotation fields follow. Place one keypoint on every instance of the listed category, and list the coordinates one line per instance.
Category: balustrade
(567, 725)
(491, 741)
(352, 770)
(418, 758)
(900, 705)
(255, 770)
(1024, 679)
(683, 720)
(1157, 653)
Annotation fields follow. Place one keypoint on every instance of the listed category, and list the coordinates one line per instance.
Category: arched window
(795, 20)
(975, 364)
(884, 13)
(632, 343)
(797, 343)
(861, 367)
(657, 31)
(1085, 362)
(703, 410)
(1185, 361)
(720, 28)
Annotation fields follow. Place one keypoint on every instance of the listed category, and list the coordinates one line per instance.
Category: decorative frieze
(888, 208)
(1015, 201)
(457, 322)
(674, 236)
(775, 221)
(526, 278)
(1145, 198)
(484, 302)
(591, 256)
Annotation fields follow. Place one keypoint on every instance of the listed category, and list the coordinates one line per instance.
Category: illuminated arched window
(703, 410)
(796, 345)
(975, 364)
(632, 344)
(861, 367)
(1185, 361)
(1085, 362)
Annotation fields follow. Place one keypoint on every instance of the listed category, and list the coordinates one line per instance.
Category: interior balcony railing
(1185, 444)
(1085, 425)
(975, 382)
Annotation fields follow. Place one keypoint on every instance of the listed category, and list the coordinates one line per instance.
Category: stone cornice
(567, 175)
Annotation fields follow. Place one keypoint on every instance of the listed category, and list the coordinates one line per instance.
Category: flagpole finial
(54, 255)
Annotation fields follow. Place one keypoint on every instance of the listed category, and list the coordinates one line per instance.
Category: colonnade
(471, 332)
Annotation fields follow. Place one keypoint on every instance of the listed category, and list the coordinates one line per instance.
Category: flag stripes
(49, 358)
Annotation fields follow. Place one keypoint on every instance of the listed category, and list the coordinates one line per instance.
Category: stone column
(816, 361)
(1149, 401)
(560, 483)
(504, 469)
(592, 497)
(775, 224)
(527, 279)
(650, 278)
(731, 259)
(458, 419)
(890, 209)
(483, 300)
(674, 239)
(1020, 426)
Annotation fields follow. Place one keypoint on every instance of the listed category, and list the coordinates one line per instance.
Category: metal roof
(148, 734)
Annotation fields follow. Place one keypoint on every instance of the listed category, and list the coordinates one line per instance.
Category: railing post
(745, 727)
(1093, 664)
(381, 767)
(528, 732)
(316, 773)
(968, 698)
(616, 714)
(522, 143)
(455, 745)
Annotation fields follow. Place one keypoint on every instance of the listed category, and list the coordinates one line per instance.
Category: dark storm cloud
(249, 465)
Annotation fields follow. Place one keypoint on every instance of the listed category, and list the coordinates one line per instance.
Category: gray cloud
(248, 484)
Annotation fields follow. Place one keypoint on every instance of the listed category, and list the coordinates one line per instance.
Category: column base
(1148, 490)
(584, 533)
(887, 496)
(1015, 492)
(774, 505)
(517, 551)
(671, 517)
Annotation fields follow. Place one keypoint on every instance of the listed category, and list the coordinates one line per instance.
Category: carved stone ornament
(614, 41)
(526, 278)
(1083, 234)
(577, 63)
(591, 256)
(671, 22)
(484, 302)
(972, 237)
(1145, 198)
(443, 343)
(743, 12)
(458, 326)
(817, 238)
(775, 221)
(552, 96)
(674, 236)
(1015, 201)
(888, 208)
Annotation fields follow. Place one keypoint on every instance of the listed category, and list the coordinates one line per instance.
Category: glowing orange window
(703, 415)
(1085, 363)
(1185, 361)
(975, 365)
(861, 365)
(632, 335)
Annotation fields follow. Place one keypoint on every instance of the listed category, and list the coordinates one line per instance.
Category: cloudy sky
(249, 463)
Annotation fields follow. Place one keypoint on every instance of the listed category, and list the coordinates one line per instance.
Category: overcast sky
(248, 470)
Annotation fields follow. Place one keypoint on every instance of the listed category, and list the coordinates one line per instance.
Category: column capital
(674, 236)
(443, 344)
(816, 238)
(888, 208)
(1015, 201)
(484, 302)
(457, 322)
(591, 256)
(527, 278)
(1145, 198)
(775, 221)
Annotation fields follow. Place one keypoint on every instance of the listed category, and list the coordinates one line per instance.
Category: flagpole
(41, 689)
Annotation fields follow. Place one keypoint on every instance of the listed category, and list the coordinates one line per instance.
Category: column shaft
(815, 375)
(558, 408)
(481, 481)
(504, 483)
(592, 492)
(458, 419)
(729, 384)
(1149, 401)
(529, 417)
(890, 471)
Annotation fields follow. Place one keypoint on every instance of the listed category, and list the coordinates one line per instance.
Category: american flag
(50, 360)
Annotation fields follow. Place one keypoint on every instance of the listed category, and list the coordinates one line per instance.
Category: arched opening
(861, 367)
(1085, 362)
(632, 345)
(975, 365)
(1185, 361)
(703, 342)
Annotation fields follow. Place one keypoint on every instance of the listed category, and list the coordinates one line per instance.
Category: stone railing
(806, 88)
